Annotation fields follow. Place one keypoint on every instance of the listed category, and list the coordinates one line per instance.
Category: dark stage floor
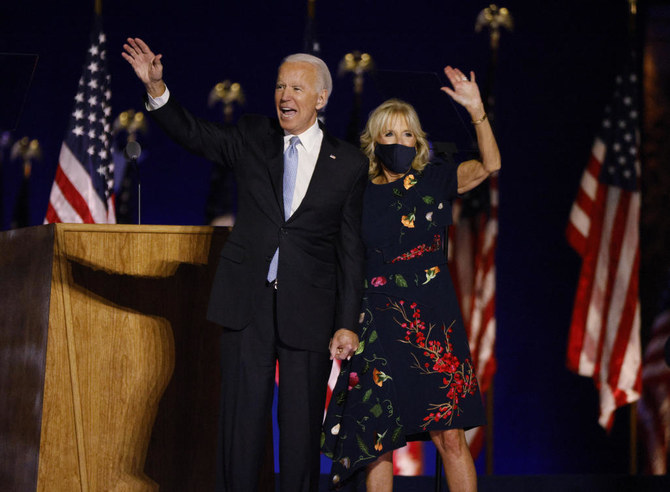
(540, 483)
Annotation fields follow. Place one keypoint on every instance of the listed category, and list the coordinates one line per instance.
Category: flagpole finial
(357, 63)
(227, 93)
(98, 7)
(494, 17)
(633, 7)
(131, 122)
(27, 150)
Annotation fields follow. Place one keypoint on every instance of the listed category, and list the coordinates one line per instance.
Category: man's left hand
(343, 344)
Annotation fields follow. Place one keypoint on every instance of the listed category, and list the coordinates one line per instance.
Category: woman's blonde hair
(380, 120)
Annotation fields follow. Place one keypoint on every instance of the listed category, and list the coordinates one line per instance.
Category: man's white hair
(323, 74)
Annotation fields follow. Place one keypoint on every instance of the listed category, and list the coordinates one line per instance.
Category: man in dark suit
(290, 275)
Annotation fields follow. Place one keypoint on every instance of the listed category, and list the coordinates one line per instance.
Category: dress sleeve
(444, 174)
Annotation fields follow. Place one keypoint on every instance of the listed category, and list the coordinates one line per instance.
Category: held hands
(465, 91)
(147, 66)
(343, 344)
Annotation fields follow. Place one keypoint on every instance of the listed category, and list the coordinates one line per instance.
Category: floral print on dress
(409, 181)
(408, 216)
(378, 281)
(379, 377)
(408, 220)
(371, 420)
(434, 355)
(397, 279)
(353, 380)
(362, 421)
(420, 250)
(431, 273)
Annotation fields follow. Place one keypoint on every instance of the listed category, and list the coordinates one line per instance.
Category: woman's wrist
(481, 120)
(477, 113)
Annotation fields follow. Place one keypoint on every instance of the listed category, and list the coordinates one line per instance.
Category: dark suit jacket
(320, 271)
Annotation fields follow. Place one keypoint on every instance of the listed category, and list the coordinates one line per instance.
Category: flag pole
(25, 150)
(633, 469)
(311, 45)
(4, 142)
(633, 438)
(358, 64)
(492, 18)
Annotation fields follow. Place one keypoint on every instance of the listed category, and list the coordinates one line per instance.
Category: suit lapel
(275, 166)
(324, 171)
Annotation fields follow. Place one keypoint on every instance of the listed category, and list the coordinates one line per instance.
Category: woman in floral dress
(411, 377)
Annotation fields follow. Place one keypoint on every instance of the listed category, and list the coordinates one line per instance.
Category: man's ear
(322, 99)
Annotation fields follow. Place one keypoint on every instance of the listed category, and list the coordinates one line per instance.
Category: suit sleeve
(350, 255)
(213, 141)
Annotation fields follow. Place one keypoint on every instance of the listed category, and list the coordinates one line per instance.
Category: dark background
(554, 77)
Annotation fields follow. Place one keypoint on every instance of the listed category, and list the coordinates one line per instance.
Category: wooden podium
(109, 372)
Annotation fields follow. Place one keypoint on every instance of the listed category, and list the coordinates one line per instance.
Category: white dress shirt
(308, 152)
(154, 103)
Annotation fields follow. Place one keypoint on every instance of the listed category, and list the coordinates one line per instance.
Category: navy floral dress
(412, 372)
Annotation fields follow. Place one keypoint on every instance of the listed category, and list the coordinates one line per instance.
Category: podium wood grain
(128, 351)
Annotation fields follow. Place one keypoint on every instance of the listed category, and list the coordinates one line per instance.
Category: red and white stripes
(604, 341)
(73, 198)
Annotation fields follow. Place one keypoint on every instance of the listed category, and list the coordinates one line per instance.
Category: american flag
(82, 191)
(472, 248)
(604, 339)
(654, 407)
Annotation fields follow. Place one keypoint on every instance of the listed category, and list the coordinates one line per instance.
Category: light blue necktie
(290, 173)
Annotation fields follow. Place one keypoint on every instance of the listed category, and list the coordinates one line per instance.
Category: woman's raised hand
(465, 91)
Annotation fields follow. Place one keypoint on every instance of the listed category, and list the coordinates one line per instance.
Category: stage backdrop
(555, 75)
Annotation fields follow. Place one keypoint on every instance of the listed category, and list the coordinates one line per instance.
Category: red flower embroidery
(378, 281)
(447, 363)
(353, 379)
(420, 250)
(435, 356)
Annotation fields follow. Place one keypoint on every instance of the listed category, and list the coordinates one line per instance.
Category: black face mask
(395, 157)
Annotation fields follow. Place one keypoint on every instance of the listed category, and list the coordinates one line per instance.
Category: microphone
(131, 153)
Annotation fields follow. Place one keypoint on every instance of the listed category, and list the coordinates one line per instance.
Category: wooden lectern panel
(25, 273)
(120, 297)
